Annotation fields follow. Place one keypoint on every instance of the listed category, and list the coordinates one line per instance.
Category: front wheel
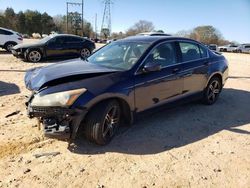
(102, 122)
(34, 56)
(212, 91)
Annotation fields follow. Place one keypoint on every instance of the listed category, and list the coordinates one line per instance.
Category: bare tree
(140, 27)
(206, 34)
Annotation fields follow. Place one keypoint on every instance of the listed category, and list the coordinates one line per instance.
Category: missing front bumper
(58, 122)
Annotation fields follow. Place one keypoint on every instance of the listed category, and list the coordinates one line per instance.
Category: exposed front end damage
(58, 122)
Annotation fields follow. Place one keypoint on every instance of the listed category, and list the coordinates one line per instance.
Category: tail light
(20, 38)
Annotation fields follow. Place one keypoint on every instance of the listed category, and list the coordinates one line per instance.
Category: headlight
(66, 98)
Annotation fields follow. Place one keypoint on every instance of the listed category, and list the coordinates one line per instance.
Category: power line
(106, 20)
(75, 14)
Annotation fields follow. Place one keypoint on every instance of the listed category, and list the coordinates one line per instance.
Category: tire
(212, 91)
(9, 45)
(102, 122)
(85, 52)
(34, 56)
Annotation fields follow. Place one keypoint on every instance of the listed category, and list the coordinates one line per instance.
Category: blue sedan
(120, 80)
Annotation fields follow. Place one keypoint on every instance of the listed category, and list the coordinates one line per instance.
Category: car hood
(27, 45)
(64, 72)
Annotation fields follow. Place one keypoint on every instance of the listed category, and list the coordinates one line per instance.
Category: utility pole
(95, 26)
(74, 14)
(82, 18)
(106, 20)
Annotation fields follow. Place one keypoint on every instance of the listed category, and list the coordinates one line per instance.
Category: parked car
(243, 48)
(228, 48)
(120, 80)
(9, 38)
(213, 47)
(153, 34)
(55, 46)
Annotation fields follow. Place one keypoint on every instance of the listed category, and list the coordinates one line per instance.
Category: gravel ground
(187, 146)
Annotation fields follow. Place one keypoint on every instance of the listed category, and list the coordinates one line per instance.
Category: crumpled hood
(32, 45)
(37, 77)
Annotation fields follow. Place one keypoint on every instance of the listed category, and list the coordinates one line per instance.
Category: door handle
(206, 63)
(175, 70)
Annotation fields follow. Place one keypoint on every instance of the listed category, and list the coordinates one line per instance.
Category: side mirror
(152, 67)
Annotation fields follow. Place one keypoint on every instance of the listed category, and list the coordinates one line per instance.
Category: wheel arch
(215, 74)
(8, 42)
(124, 104)
(34, 48)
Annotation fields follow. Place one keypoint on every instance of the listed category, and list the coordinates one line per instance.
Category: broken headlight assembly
(62, 99)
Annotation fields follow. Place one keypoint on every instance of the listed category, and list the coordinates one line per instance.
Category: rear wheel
(9, 46)
(34, 56)
(102, 122)
(212, 91)
(85, 52)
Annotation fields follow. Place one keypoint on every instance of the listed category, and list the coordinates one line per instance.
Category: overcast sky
(231, 17)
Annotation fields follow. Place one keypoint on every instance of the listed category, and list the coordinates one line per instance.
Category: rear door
(195, 62)
(5, 36)
(74, 45)
(154, 88)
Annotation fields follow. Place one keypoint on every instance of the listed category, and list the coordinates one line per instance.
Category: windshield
(119, 55)
(45, 39)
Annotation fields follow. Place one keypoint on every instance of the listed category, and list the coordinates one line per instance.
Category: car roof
(153, 34)
(154, 39)
(6, 29)
(66, 35)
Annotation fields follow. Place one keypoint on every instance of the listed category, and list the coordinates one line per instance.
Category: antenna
(106, 20)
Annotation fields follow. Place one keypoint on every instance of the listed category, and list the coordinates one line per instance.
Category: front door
(57, 47)
(157, 87)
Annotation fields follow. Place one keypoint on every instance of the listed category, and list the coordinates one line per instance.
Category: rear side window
(4, 32)
(73, 40)
(204, 51)
(189, 51)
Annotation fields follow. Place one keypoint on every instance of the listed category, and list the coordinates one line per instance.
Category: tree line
(29, 22)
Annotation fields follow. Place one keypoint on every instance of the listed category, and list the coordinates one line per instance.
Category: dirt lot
(188, 146)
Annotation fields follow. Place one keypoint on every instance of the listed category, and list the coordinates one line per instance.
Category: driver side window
(56, 42)
(164, 54)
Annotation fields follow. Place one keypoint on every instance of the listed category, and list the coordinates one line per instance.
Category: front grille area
(34, 111)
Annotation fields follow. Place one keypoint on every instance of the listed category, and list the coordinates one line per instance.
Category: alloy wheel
(85, 52)
(9, 47)
(111, 122)
(34, 56)
(213, 91)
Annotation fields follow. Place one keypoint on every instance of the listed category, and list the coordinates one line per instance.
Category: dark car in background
(55, 46)
(120, 80)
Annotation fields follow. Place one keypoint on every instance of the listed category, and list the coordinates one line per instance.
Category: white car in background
(243, 48)
(9, 38)
(228, 48)
(213, 47)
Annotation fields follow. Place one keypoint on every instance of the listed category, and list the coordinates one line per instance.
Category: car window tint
(1, 32)
(4, 32)
(204, 51)
(73, 40)
(189, 51)
(60, 40)
(163, 54)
